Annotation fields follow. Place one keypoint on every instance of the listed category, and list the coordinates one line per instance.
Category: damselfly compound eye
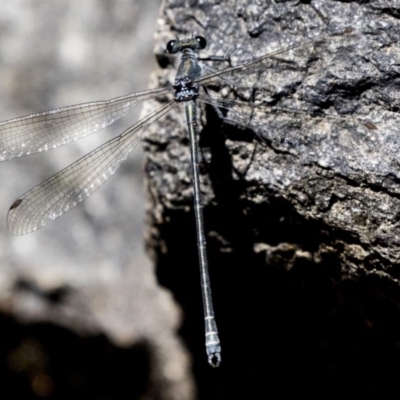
(202, 42)
(170, 46)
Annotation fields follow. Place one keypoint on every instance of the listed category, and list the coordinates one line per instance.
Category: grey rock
(301, 207)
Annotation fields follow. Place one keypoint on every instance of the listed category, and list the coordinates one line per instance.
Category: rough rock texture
(301, 207)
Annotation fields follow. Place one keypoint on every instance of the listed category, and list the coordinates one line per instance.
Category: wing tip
(15, 204)
(14, 224)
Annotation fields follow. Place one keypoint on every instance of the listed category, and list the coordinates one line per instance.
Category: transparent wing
(73, 184)
(248, 114)
(346, 144)
(233, 74)
(49, 129)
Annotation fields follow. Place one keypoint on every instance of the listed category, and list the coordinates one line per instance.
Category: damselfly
(46, 130)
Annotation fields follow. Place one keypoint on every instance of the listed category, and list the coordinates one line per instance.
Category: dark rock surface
(301, 208)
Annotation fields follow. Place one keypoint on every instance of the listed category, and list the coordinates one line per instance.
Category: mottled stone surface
(301, 208)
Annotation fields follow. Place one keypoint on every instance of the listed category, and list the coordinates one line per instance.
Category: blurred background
(86, 271)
